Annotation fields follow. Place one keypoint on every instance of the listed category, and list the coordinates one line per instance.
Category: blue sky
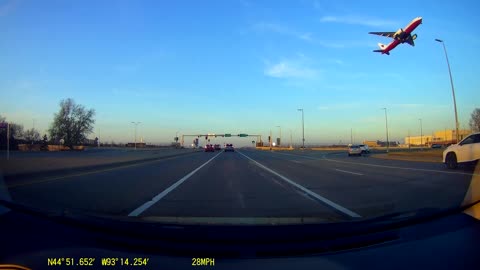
(239, 66)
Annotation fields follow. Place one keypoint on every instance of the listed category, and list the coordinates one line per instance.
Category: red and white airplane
(401, 36)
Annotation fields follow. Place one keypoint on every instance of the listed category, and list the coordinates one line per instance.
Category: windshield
(107, 108)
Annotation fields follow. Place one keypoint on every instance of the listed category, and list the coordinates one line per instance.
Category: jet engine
(398, 33)
(414, 36)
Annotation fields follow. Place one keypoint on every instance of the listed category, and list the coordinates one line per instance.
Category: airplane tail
(382, 49)
(382, 46)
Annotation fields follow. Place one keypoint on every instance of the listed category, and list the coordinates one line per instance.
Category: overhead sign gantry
(225, 135)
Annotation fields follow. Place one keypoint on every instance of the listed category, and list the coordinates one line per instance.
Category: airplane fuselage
(399, 37)
(403, 35)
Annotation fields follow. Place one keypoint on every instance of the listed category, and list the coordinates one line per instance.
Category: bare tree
(72, 123)
(16, 133)
(475, 120)
(16, 130)
(31, 135)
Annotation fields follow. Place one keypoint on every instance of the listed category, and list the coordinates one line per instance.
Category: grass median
(430, 155)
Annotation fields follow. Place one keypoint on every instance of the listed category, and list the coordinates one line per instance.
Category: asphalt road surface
(250, 183)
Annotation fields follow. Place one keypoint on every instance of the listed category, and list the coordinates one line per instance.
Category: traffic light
(206, 137)
(269, 138)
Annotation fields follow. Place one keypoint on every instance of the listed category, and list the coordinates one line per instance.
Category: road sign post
(7, 126)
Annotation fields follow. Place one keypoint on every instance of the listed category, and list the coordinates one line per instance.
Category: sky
(239, 66)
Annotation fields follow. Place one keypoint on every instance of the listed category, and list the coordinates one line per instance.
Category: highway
(250, 183)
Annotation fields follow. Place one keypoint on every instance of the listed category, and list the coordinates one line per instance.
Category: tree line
(71, 125)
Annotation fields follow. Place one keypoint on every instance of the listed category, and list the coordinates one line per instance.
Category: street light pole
(386, 128)
(136, 124)
(290, 138)
(421, 133)
(303, 130)
(280, 136)
(351, 136)
(453, 90)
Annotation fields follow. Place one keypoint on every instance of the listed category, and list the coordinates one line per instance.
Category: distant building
(444, 137)
(380, 143)
(139, 144)
(384, 143)
(371, 143)
(419, 140)
(91, 142)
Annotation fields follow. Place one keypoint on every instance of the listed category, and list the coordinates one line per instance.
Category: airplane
(399, 37)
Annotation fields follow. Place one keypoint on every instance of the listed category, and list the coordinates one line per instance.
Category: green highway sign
(228, 135)
(242, 135)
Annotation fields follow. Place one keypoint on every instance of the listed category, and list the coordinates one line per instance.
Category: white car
(365, 148)
(467, 150)
(354, 150)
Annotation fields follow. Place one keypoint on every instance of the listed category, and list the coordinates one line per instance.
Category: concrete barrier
(53, 147)
(79, 148)
(29, 147)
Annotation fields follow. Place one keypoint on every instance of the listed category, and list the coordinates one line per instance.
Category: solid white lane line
(309, 192)
(348, 172)
(164, 193)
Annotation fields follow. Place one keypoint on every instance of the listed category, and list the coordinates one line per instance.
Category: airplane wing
(383, 34)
